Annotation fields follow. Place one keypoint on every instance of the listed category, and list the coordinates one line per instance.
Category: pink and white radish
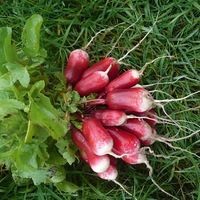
(126, 80)
(109, 117)
(93, 83)
(110, 174)
(150, 117)
(78, 62)
(133, 99)
(125, 143)
(141, 129)
(114, 117)
(97, 163)
(99, 140)
(103, 65)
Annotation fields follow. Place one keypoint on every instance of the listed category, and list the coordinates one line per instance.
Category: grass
(69, 25)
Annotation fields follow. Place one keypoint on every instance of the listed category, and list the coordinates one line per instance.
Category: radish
(126, 80)
(141, 129)
(93, 83)
(110, 174)
(137, 158)
(103, 65)
(98, 138)
(114, 117)
(151, 118)
(140, 158)
(124, 142)
(133, 99)
(109, 117)
(77, 63)
(97, 163)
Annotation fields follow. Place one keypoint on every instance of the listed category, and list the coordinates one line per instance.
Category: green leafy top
(34, 123)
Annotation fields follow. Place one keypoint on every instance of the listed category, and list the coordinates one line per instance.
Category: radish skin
(78, 62)
(103, 66)
(110, 174)
(114, 117)
(141, 129)
(109, 117)
(98, 138)
(126, 80)
(97, 163)
(124, 142)
(132, 99)
(92, 83)
(137, 158)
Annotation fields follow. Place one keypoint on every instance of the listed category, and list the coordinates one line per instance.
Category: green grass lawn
(68, 25)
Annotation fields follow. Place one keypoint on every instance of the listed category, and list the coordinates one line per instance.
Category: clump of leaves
(35, 142)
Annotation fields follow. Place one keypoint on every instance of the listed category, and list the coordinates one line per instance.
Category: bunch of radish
(119, 121)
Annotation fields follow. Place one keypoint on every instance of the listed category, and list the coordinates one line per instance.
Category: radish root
(98, 33)
(146, 162)
(121, 36)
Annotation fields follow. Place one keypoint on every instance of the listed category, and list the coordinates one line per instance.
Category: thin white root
(164, 83)
(177, 148)
(160, 91)
(160, 105)
(146, 162)
(152, 61)
(170, 122)
(99, 32)
(122, 187)
(132, 49)
(189, 109)
(181, 138)
(154, 182)
(156, 155)
(118, 156)
(174, 100)
(121, 36)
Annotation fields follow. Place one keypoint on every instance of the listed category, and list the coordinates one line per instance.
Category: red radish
(133, 99)
(98, 138)
(149, 116)
(114, 117)
(141, 129)
(130, 100)
(137, 158)
(77, 63)
(124, 142)
(93, 83)
(126, 80)
(103, 66)
(109, 117)
(97, 163)
(110, 174)
(152, 118)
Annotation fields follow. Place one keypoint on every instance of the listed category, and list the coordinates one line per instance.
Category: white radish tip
(101, 165)
(110, 174)
(104, 148)
(147, 103)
